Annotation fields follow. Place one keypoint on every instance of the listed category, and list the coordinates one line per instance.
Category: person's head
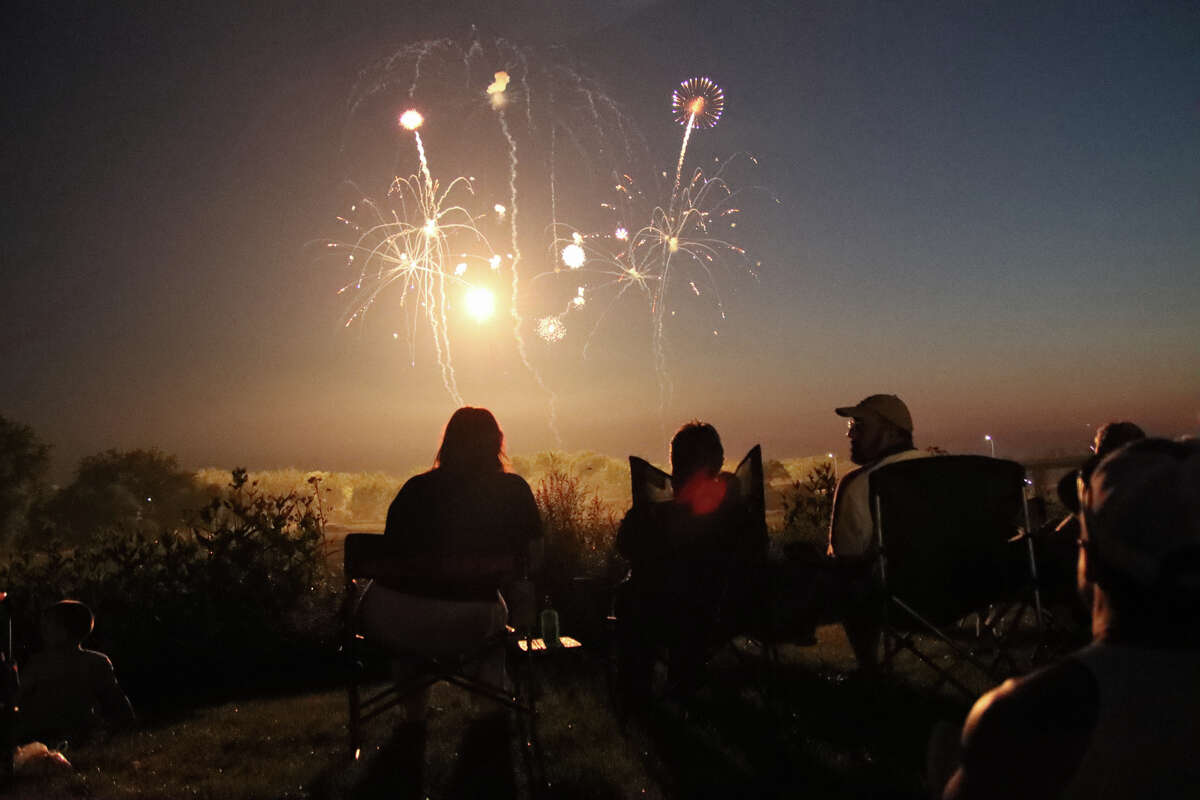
(695, 448)
(472, 442)
(1112, 435)
(879, 424)
(67, 622)
(1140, 538)
(1109, 437)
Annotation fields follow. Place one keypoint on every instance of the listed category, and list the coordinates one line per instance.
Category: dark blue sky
(988, 208)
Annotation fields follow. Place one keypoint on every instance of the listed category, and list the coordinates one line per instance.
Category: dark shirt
(459, 517)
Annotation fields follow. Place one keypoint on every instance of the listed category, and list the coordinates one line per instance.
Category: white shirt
(851, 531)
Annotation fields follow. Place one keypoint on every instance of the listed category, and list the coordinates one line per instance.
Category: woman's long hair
(472, 442)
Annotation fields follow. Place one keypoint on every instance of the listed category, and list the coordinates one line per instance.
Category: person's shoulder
(96, 661)
(421, 484)
(849, 477)
(1042, 722)
(513, 481)
(421, 479)
(1052, 702)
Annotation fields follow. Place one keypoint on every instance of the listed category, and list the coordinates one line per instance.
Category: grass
(818, 731)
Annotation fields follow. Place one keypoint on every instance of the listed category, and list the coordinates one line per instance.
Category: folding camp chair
(723, 602)
(369, 557)
(949, 531)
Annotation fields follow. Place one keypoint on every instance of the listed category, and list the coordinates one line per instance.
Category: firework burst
(511, 107)
(678, 256)
(422, 240)
(698, 103)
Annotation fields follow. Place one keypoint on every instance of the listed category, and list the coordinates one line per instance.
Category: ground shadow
(811, 732)
(396, 770)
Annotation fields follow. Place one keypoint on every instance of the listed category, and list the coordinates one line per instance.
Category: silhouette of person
(845, 587)
(684, 555)
(880, 430)
(67, 691)
(468, 525)
(1116, 719)
(1057, 542)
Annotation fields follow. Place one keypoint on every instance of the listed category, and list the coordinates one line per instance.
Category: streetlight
(991, 442)
(835, 466)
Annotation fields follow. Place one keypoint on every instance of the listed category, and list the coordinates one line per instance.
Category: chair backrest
(944, 526)
(652, 489)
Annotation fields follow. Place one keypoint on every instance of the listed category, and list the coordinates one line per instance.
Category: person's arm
(410, 517)
(1025, 739)
(399, 515)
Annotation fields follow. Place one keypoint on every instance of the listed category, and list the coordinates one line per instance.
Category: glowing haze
(768, 213)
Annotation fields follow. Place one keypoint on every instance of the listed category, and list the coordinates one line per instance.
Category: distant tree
(774, 470)
(137, 490)
(24, 460)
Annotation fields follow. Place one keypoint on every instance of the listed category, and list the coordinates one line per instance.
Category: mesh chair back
(945, 525)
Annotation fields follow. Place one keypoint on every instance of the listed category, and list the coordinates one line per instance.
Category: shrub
(580, 530)
(242, 590)
(808, 507)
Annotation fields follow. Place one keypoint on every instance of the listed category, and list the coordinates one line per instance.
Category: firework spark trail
(687, 134)
(514, 297)
(424, 162)
(410, 246)
(674, 249)
(441, 344)
(445, 77)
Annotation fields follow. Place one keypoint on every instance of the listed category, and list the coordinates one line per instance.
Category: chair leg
(355, 718)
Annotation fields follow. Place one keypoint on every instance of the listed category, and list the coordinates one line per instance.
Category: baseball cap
(1142, 510)
(888, 406)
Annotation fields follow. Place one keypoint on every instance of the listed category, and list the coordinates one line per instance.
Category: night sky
(991, 209)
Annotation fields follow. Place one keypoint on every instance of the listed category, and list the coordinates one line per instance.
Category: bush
(202, 608)
(580, 531)
(808, 507)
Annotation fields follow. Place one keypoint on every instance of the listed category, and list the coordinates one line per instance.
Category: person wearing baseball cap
(1117, 718)
(880, 430)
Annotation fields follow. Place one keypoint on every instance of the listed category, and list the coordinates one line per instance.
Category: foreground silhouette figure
(67, 691)
(1117, 718)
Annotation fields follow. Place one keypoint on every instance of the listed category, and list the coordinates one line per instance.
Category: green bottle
(549, 622)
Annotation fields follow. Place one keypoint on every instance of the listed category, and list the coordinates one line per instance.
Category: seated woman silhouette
(468, 525)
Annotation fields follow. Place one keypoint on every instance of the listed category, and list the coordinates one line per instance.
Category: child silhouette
(68, 691)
